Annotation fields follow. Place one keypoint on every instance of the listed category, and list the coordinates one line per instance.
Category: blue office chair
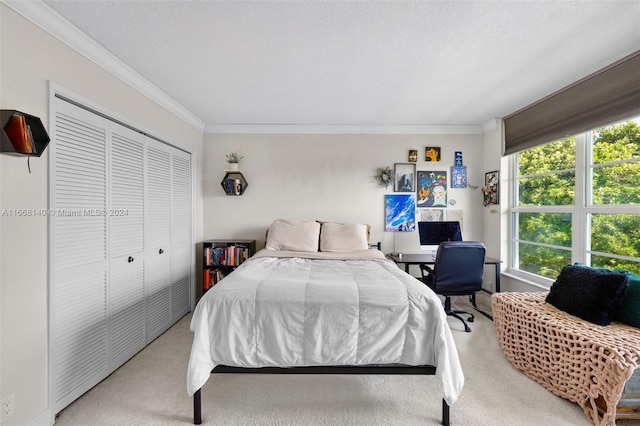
(457, 272)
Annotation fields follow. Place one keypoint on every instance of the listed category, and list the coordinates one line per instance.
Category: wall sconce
(22, 134)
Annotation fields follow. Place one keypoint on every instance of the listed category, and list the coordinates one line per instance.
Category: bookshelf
(221, 257)
(234, 183)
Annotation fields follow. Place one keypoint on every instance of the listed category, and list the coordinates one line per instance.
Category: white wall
(328, 177)
(30, 59)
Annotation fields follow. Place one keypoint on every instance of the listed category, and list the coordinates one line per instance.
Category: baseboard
(46, 418)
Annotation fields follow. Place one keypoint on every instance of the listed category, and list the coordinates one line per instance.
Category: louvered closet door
(78, 253)
(180, 233)
(158, 240)
(126, 243)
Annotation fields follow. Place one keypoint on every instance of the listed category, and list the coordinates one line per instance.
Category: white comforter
(295, 311)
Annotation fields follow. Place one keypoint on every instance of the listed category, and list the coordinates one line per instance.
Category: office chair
(457, 272)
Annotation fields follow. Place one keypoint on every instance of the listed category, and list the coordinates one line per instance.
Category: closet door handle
(160, 251)
(130, 259)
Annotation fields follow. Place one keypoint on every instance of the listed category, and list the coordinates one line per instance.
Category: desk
(409, 259)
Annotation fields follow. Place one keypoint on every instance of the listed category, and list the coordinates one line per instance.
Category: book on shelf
(212, 277)
(232, 255)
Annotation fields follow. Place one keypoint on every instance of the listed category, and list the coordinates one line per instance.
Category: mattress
(290, 309)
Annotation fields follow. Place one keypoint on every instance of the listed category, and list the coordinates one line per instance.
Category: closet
(120, 245)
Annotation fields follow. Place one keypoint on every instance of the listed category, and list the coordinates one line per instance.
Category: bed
(318, 302)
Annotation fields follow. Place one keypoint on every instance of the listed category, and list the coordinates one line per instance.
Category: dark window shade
(607, 96)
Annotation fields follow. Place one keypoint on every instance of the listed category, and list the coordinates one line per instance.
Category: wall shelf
(234, 183)
(36, 141)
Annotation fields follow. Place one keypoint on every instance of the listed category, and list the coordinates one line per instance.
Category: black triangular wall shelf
(40, 136)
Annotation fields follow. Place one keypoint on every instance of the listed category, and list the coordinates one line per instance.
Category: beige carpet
(150, 389)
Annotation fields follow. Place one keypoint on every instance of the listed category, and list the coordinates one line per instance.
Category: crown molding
(52, 22)
(490, 125)
(343, 129)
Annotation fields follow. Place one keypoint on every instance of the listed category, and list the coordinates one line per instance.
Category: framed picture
(405, 177)
(432, 188)
(430, 215)
(400, 212)
(459, 177)
(413, 156)
(432, 153)
(491, 187)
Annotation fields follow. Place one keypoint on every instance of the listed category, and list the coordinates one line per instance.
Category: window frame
(580, 211)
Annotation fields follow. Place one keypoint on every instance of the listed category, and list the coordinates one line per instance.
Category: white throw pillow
(294, 236)
(343, 237)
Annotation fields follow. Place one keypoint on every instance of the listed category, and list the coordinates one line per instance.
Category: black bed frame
(366, 369)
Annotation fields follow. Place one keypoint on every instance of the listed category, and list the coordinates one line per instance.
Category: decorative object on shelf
(432, 189)
(490, 188)
(432, 153)
(234, 183)
(400, 212)
(413, 156)
(233, 159)
(384, 176)
(405, 177)
(22, 134)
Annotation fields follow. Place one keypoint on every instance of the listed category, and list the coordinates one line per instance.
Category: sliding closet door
(126, 244)
(180, 234)
(158, 240)
(78, 255)
(120, 250)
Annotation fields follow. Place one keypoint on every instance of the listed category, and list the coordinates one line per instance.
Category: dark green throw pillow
(629, 312)
(588, 293)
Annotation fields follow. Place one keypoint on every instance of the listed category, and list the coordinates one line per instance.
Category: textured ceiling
(359, 63)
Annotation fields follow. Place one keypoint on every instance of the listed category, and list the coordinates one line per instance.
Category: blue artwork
(459, 177)
(400, 212)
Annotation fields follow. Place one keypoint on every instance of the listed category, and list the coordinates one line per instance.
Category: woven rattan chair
(457, 272)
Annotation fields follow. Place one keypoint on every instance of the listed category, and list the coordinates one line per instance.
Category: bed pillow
(343, 237)
(291, 235)
(587, 293)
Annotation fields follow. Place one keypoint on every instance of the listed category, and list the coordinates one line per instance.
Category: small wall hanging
(458, 172)
(432, 153)
(490, 188)
(405, 177)
(413, 156)
(384, 176)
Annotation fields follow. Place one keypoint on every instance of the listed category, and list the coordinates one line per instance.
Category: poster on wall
(432, 189)
(430, 215)
(400, 212)
(455, 215)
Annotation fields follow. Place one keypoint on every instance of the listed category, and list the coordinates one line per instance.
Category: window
(578, 200)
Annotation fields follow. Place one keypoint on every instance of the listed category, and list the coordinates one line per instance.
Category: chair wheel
(467, 329)
(470, 319)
